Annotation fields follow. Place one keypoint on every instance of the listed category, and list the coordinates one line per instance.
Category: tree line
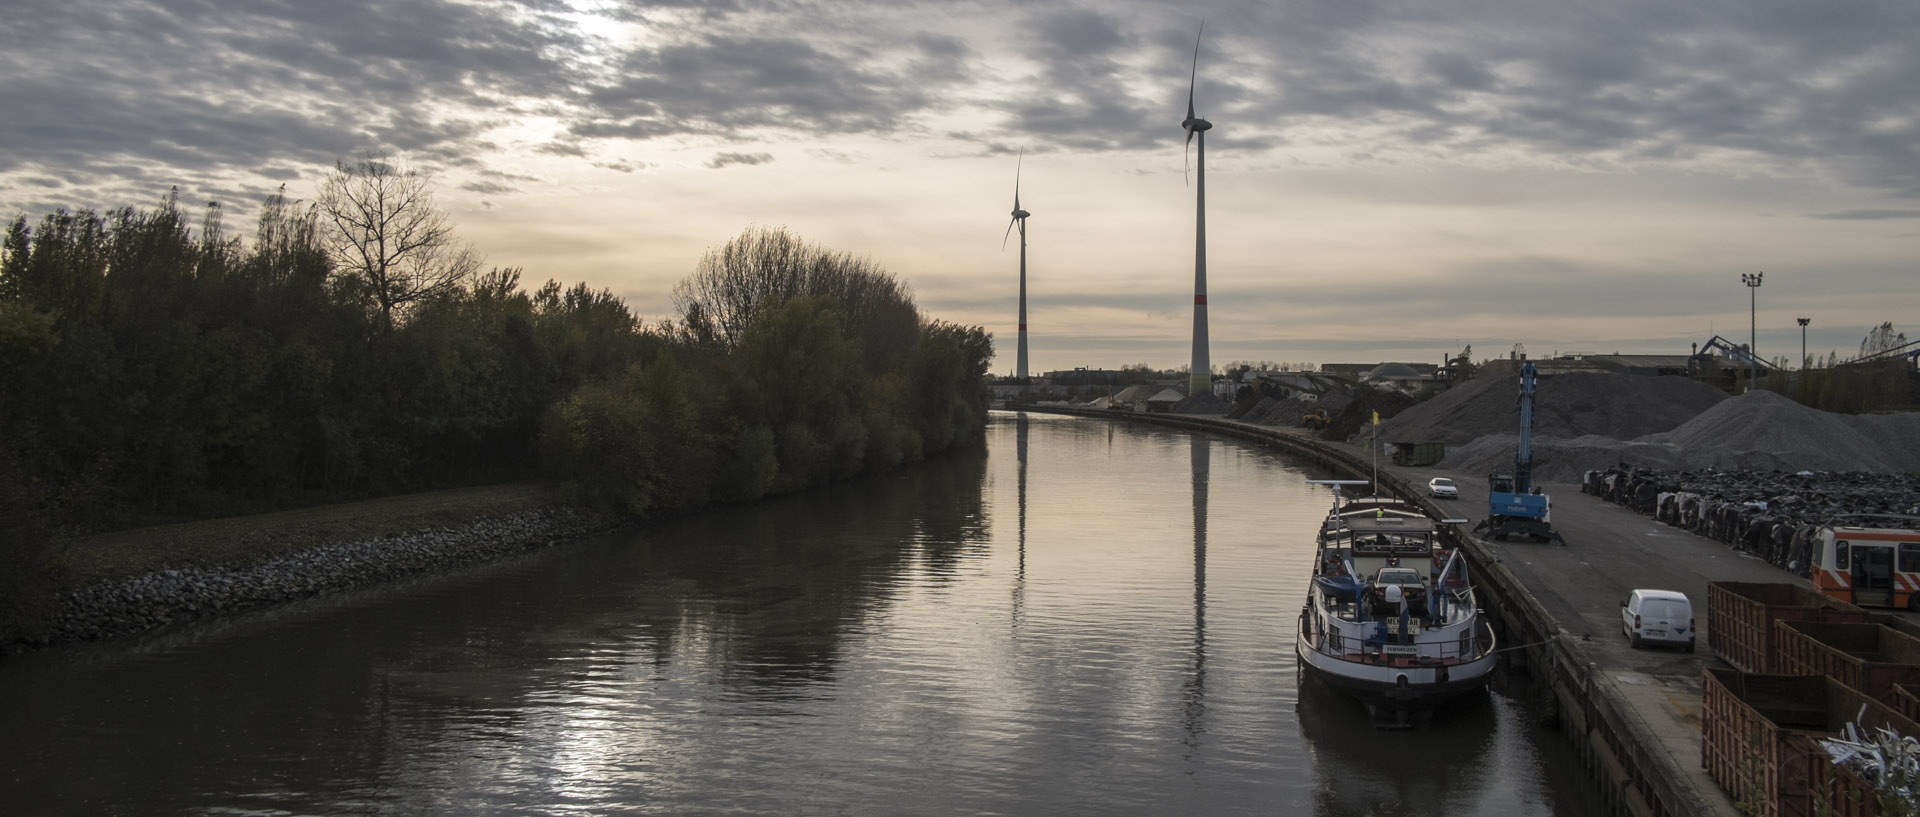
(153, 369)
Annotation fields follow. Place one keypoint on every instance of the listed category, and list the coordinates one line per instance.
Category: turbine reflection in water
(1195, 689)
(1020, 430)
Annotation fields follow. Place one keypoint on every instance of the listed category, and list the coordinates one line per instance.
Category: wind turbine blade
(1193, 78)
(1193, 75)
(1189, 156)
(1003, 239)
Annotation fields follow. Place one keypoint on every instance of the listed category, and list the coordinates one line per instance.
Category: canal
(1089, 617)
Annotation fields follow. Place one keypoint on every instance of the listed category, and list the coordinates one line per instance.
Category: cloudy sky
(1386, 180)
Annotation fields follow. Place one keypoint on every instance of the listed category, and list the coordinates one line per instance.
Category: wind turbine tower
(1202, 367)
(1020, 219)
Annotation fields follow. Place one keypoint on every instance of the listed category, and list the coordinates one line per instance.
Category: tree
(1882, 338)
(764, 269)
(392, 245)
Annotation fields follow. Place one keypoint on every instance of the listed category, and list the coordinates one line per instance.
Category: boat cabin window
(1397, 575)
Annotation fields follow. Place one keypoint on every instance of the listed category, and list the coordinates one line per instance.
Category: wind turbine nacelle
(1021, 214)
(1197, 124)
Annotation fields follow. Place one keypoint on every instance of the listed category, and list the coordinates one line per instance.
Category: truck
(1515, 506)
(1316, 419)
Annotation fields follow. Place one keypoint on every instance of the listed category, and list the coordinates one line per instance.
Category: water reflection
(1435, 769)
(1021, 428)
(1195, 691)
(1044, 628)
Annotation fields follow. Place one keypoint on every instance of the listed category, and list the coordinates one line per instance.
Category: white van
(1658, 617)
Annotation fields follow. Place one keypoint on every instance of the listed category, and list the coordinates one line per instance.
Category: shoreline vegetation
(157, 373)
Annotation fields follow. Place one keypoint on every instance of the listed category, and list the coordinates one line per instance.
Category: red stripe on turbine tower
(1200, 299)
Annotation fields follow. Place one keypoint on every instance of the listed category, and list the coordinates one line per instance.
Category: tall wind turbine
(1202, 368)
(1020, 218)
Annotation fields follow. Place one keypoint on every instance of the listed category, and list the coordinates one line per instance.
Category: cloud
(203, 88)
(1867, 215)
(623, 165)
(721, 160)
(489, 188)
(729, 85)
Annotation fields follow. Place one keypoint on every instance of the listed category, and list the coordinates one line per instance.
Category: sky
(1385, 180)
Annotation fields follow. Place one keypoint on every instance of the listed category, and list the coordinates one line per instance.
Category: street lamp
(1803, 340)
(1753, 294)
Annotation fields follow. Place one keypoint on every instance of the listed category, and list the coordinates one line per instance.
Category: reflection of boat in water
(1390, 614)
(1362, 772)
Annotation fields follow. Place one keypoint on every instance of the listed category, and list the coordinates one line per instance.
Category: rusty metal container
(1759, 738)
(1867, 657)
(1740, 617)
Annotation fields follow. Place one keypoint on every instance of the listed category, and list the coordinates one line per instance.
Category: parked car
(1442, 488)
(1658, 617)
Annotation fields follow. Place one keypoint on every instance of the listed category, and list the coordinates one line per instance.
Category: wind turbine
(1020, 218)
(1201, 371)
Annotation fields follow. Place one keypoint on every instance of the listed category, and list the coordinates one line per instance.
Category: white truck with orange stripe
(1878, 567)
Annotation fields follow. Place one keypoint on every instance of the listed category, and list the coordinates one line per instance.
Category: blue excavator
(1515, 506)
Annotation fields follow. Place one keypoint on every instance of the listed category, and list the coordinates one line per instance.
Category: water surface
(1086, 618)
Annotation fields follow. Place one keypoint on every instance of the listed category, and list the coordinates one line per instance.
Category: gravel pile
(1590, 422)
(1202, 404)
(1252, 413)
(1564, 406)
(1896, 435)
(144, 602)
(1560, 460)
(1271, 412)
(1763, 430)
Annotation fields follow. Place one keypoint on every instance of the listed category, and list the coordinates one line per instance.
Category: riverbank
(127, 582)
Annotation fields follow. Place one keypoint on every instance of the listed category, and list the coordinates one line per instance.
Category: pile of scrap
(1773, 515)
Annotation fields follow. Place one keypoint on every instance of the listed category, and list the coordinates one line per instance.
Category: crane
(1514, 504)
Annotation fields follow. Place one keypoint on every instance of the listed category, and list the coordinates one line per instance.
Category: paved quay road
(1610, 552)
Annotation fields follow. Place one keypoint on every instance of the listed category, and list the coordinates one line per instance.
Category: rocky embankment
(149, 600)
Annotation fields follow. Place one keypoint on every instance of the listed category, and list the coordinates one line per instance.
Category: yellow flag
(1376, 418)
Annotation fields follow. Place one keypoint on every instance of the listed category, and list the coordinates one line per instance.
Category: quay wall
(1617, 746)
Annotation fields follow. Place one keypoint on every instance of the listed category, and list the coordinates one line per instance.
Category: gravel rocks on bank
(147, 601)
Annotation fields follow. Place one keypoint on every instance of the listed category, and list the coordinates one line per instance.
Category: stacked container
(1805, 666)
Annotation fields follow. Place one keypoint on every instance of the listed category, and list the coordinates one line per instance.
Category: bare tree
(392, 245)
(764, 268)
(1882, 338)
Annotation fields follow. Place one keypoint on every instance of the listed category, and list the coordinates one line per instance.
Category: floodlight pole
(1803, 341)
(1753, 357)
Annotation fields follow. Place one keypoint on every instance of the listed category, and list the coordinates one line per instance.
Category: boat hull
(1408, 690)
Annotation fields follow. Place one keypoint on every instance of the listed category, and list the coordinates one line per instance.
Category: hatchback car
(1658, 617)
(1442, 488)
